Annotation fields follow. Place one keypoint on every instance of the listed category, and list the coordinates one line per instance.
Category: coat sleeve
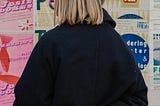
(138, 97)
(135, 93)
(35, 87)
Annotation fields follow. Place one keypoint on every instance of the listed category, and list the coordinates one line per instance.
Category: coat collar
(107, 18)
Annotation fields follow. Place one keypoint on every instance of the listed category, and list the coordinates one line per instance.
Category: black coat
(81, 65)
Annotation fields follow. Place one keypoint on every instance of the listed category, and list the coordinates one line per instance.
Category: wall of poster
(155, 33)
(23, 22)
(16, 43)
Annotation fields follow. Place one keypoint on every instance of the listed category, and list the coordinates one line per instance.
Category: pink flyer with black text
(16, 15)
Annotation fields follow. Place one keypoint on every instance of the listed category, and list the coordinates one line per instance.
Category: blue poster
(139, 48)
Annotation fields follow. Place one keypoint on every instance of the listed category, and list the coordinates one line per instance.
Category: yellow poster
(44, 15)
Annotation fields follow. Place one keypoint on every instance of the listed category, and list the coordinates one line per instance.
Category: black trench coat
(81, 65)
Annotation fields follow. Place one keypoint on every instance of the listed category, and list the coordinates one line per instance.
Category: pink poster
(14, 53)
(16, 15)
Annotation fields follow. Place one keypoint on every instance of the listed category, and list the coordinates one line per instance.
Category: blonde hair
(79, 11)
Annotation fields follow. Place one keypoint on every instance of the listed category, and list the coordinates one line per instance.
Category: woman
(81, 62)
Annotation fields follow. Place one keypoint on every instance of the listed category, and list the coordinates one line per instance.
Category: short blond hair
(79, 11)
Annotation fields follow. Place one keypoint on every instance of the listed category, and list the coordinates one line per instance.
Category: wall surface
(23, 22)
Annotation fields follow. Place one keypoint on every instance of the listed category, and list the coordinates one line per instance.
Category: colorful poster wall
(16, 43)
(155, 33)
(23, 22)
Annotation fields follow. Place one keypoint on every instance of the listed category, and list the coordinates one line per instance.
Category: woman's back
(84, 64)
(85, 55)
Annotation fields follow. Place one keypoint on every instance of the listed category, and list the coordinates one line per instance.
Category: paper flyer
(155, 72)
(132, 25)
(117, 7)
(14, 53)
(45, 14)
(155, 15)
(155, 24)
(16, 15)
(155, 33)
(156, 59)
(44, 17)
(154, 5)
